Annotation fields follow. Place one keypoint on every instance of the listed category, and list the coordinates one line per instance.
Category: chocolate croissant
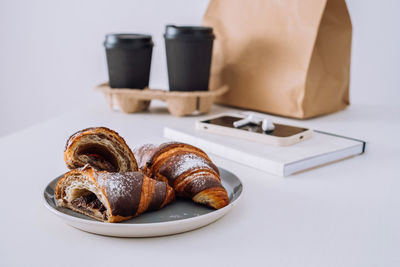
(187, 169)
(100, 147)
(111, 197)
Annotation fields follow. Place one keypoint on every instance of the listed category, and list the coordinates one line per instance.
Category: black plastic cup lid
(127, 40)
(188, 32)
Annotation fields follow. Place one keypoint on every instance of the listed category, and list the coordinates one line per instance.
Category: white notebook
(322, 148)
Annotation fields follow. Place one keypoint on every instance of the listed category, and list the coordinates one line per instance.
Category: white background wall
(51, 52)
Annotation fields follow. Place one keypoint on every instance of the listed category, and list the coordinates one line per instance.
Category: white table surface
(343, 214)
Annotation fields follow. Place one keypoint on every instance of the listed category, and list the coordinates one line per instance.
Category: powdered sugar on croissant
(187, 169)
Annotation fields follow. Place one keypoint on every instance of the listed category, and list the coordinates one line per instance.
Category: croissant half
(111, 197)
(187, 169)
(102, 148)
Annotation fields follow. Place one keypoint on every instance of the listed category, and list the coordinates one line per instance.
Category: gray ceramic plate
(180, 216)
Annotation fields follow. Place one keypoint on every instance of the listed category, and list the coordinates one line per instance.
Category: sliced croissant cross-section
(111, 197)
(100, 147)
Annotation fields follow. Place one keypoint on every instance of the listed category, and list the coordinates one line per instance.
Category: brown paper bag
(286, 57)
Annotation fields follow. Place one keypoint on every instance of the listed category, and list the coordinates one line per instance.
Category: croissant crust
(100, 147)
(187, 169)
(111, 197)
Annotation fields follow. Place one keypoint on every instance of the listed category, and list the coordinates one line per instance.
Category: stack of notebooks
(322, 148)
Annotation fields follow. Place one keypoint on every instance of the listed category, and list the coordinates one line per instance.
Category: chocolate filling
(99, 157)
(88, 203)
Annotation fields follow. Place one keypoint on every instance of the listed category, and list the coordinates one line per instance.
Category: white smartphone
(282, 135)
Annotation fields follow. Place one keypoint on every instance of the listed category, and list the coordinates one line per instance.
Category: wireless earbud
(266, 124)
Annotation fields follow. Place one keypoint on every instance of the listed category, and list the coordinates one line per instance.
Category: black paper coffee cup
(189, 51)
(128, 60)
